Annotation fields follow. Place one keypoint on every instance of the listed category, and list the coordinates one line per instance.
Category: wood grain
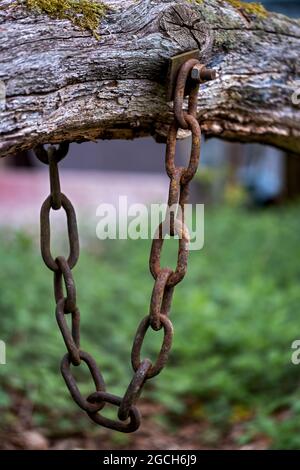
(63, 84)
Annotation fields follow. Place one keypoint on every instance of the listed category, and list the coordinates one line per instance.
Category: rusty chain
(165, 278)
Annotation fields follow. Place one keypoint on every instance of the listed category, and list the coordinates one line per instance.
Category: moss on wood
(86, 14)
(256, 9)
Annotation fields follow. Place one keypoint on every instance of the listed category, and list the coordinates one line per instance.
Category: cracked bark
(63, 84)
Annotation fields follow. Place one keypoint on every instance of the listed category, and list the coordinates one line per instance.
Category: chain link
(165, 278)
(64, 272)
(72, 233)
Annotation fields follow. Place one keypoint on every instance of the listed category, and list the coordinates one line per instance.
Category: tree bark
(63, 84)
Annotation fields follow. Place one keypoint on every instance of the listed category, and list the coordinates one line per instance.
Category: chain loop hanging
(165, 278)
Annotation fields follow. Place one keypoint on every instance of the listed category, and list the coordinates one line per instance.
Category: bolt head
(202, 74)
(195, 73)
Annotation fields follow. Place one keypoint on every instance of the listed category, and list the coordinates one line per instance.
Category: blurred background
(229, 383)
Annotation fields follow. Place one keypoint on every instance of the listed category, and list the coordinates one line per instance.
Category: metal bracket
(174, 66)
(199, 73)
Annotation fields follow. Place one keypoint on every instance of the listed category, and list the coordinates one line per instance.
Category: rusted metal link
(72, 233)
(134, 389)
(167, 301)
(182, 78)
(174, 189)
(165, 278)
(71, 339)
(157, 299)
(164, 351)
(184, 198)
(54, 180)
(64, 273)
(103, 398)
(183, 252)
(72, 385)
(192, 167)
(174, 198)
(59, 153)
(171, 149)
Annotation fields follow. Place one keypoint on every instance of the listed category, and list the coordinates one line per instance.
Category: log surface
(63, 84)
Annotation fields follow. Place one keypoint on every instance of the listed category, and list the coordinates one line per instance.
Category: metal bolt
(202, 74)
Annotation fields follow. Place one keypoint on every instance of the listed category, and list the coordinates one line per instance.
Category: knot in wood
(184, 25)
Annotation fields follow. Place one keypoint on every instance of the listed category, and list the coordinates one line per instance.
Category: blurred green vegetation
(235, 317)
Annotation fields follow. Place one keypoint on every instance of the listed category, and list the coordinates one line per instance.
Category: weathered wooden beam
(64, 84)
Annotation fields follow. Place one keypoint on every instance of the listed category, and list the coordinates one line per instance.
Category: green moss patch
(86, 14)
(256, 9)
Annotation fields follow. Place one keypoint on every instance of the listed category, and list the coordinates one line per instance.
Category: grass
(235, 317)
